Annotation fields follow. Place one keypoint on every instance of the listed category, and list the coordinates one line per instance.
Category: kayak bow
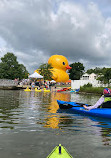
(59, 152)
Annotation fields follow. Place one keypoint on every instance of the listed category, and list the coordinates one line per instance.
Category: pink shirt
(98, 103)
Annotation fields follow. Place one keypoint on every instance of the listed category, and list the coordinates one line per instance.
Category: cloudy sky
(36, 29)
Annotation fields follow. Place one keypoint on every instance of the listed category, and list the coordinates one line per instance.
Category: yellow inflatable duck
(38, 90)
(60, 65)
(27, 89)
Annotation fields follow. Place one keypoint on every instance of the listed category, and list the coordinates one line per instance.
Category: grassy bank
(96, 90)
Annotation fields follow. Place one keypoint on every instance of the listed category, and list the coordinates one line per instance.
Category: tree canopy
(105, 76)
(46, 71)
(77, 71)
(11, 69)
(96, 70)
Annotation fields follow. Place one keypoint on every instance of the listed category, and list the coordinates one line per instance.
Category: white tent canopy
(35, 75)
(52, 81)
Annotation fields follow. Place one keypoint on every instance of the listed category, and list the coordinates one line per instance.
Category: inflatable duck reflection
(60, 65)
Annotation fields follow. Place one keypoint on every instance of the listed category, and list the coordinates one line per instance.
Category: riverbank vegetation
(88, 88)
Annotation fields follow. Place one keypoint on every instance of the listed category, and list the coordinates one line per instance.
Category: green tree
(77, 71)
(46, 71)
(97, 70)
(105, 76)
(11, 69)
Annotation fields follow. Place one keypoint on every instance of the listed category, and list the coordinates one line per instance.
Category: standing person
(45, 84)
(39, 85)
(32, 85)
(55, 87)
(103, 102)
(50, 84)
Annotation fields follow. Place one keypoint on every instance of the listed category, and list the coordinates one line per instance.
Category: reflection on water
(33, 111)
(8, 102)
(103, 127)
(53, 120)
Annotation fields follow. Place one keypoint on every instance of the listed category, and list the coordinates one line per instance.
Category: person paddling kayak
(103, 102)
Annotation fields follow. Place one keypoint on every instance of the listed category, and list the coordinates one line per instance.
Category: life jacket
(107, 98)
(107, 101)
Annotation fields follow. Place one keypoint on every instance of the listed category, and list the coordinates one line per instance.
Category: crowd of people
(35, 83)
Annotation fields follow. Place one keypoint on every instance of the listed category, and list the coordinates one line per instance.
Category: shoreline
(25, 86)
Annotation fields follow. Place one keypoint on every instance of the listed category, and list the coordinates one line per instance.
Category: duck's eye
(63, 63)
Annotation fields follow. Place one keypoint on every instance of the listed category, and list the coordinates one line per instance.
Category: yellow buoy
(27, 89)
(46, 90)
(38, 90)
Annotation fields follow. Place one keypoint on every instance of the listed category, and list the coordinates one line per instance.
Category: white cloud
(34, 30)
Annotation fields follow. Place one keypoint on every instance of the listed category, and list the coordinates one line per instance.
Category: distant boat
(64, 89)
(76, 90)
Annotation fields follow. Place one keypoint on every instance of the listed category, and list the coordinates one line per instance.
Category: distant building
(85, 79)
(88, 76)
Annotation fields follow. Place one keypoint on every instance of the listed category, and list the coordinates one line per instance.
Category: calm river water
(31, 126)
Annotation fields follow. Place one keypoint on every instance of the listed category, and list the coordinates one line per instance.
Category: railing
(75, 84)
(8, 83)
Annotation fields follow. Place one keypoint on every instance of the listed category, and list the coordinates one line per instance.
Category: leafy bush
(97, 90)
(87, 85)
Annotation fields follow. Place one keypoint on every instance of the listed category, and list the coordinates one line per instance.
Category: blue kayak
(77, 108)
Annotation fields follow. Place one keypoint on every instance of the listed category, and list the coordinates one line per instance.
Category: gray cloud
(34, 30)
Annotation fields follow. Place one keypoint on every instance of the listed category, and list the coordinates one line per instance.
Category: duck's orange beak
(68, 67)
